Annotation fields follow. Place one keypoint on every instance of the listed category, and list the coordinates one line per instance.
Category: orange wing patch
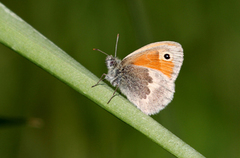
(151, 60)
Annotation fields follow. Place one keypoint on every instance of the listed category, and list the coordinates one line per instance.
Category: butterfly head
(112, 62)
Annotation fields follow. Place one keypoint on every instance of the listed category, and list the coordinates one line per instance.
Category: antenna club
(100, 51)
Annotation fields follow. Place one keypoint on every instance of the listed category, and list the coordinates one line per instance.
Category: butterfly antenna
(100, 51)
(116, 45)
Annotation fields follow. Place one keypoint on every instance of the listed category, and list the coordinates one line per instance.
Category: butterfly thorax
(114, 67)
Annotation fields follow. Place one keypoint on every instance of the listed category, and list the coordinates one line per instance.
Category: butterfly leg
(100, 80)
(113, 95)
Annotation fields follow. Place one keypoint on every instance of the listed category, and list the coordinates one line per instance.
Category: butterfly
(147, 75)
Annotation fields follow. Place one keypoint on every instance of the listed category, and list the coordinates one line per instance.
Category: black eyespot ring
(167, 56)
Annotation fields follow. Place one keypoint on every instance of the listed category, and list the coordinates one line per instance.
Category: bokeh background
(42, 117)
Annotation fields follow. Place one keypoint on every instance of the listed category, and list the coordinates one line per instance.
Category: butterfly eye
(112, 63)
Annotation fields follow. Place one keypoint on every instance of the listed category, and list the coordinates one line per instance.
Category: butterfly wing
(153, 56)
(149, 74)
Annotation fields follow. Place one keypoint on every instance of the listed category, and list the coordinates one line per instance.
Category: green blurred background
(62, 123)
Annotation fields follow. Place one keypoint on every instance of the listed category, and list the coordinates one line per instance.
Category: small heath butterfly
(147, 75)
